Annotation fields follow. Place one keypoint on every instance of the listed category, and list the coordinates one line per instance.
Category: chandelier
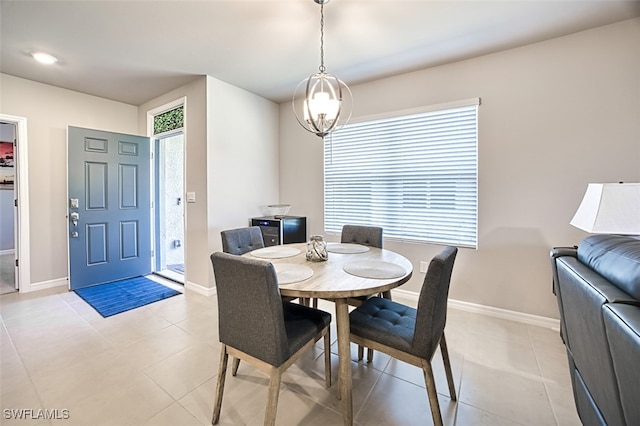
(321, 109)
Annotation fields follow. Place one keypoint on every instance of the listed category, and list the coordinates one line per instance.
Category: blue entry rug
(120, 296)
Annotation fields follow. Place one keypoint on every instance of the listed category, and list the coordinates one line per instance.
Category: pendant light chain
(322, 68)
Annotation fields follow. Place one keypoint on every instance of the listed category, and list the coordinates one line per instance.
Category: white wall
(49, 110)
(555, 116)
(243, 162)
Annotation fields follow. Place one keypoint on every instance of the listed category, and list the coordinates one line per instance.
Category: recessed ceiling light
(44, 58)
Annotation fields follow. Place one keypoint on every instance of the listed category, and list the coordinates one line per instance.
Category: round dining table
(351, 270)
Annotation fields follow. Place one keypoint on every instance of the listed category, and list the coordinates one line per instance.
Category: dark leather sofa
(597, 286)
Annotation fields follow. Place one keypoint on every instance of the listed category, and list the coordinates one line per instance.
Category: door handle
(74, 216)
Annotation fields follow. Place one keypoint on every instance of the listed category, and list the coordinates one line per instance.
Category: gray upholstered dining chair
(239, 241)
(412, 335)
(242, 240)
(257, 326)
(370, 236)
(366, 235)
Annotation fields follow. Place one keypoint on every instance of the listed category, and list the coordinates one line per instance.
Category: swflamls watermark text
(38, 414)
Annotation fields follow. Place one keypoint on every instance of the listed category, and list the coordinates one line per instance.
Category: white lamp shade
(610, 208)
(323, 105)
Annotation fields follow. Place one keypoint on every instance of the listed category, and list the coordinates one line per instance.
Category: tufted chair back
(366, 235)
(242, 240)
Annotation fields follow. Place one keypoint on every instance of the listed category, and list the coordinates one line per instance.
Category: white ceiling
(133, 51)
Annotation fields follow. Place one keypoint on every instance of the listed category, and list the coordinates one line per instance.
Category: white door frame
(21, 218)
(182, 101)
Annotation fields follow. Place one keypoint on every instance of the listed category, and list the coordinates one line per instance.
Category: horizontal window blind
(414, 175)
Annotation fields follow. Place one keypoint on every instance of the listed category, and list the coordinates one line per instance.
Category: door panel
(109, 189)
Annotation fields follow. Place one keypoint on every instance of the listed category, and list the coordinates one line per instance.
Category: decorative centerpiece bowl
(279, 210)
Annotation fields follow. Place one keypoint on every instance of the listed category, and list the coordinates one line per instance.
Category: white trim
(23, 271)
(164, 108)
(66, 192)
(412, 299)
(405, 296)
(506, 314)
(60, 282)
(200, 289)
(10, 251)
(182, 101)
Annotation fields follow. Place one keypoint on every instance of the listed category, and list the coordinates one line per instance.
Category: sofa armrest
(564, 251)
(557, 252)
(622, 323)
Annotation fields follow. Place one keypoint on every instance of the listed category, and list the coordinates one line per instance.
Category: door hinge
(16, 263)
(15, 202)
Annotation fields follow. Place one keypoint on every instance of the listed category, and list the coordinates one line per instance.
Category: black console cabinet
(282, 230)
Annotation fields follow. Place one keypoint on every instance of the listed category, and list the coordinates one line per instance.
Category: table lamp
(609, 208)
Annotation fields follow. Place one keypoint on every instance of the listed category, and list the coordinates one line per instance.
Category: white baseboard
(200, 289)
(412, 298)
(60, 282)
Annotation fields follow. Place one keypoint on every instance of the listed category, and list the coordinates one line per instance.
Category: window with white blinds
(415, 175)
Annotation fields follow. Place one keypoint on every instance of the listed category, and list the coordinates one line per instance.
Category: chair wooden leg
(360, 352)
(222, 372)
(315, 303)
(327, 358)
(447, 367)
(234, 367)
(274, 393)
(369, 355)
(431, 392)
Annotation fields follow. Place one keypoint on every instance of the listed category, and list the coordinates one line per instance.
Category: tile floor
(157, 365)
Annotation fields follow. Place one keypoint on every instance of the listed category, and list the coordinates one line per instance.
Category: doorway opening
(20, 203)
(8, 240)
(166, 125)
(169, 206)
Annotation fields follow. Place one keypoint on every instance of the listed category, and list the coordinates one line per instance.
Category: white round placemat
(374, 269)
(292, 272)
(275, 252)
(346, 248)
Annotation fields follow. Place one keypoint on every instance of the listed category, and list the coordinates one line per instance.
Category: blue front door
(109, 204)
